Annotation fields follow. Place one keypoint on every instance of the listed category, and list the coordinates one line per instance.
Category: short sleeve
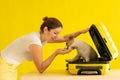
(36, 41)
(33, 38)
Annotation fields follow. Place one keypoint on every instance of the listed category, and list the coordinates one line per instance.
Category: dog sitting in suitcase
(84, 50)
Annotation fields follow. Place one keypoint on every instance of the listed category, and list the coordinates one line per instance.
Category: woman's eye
(55, 33)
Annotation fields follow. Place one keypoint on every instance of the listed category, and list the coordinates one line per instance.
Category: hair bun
(45, 18)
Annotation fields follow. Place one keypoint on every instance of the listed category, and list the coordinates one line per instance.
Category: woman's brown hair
(50, 23)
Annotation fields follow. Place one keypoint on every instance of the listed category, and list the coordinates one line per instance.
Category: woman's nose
(55, 36)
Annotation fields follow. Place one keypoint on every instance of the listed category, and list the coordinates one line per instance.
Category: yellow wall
(19, 17)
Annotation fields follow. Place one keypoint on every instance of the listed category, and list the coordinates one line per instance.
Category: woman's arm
(36, 52)
(75, 34)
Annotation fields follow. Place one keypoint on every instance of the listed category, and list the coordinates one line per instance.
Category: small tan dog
(84, 51)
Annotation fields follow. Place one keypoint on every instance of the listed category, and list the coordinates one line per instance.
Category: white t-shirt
(18, 51)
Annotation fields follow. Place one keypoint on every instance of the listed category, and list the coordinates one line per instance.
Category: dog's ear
(71, 37)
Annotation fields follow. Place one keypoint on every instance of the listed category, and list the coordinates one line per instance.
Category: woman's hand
(85, 30)
(62, 51)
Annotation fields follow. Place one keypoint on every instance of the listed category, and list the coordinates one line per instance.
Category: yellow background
(19, 17)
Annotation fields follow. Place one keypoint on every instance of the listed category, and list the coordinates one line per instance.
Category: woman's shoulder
(33, 38)
(31, 35)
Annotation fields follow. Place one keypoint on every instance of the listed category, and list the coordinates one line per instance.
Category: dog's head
(69, 41)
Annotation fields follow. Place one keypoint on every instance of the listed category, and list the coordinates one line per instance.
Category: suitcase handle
(89, 72)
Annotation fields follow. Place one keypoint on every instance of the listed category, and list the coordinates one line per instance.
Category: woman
(29, 47)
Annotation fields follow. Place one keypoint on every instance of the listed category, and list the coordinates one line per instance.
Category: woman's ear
(45, 29)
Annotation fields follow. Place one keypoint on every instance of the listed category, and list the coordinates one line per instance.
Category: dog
(84, 50)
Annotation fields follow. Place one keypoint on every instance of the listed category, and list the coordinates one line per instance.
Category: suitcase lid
(103, 41)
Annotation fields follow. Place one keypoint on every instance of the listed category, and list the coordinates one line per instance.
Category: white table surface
(64, 75)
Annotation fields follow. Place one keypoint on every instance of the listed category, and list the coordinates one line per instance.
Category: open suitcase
(106, 49)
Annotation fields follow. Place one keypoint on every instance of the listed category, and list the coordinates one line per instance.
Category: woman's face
(53, 34)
